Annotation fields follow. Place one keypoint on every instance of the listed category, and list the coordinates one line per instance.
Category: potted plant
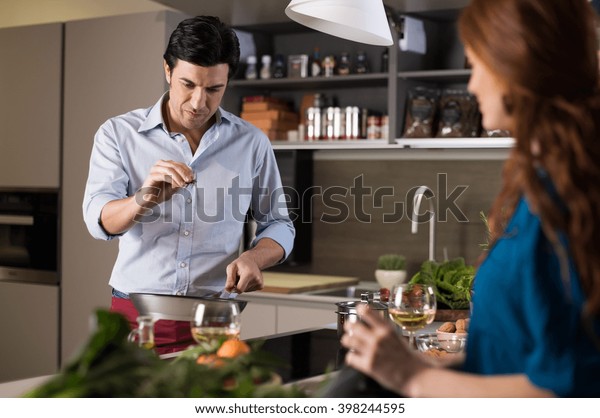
(391, 270)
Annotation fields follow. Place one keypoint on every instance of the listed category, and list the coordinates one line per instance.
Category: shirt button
(182, 264)
(186, 233)
(189, 200)
(179, 293)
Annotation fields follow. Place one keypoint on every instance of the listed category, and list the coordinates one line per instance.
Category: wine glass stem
(411, 339)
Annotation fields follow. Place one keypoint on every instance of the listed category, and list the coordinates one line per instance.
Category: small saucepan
(347, 312)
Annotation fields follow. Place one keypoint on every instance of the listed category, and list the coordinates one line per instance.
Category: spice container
(265, 70)
(362, 65)
(338, 126)
(385, 61)
(344, 65)
(328, 123)
(298, 66)
(279, 67)
(373, 127)
(385, 127)
(352, 122)
(315, 66)
(328, 65)
(251, 73)
(313, 124)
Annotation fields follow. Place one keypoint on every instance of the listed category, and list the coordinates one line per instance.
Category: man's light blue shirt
(184, 245)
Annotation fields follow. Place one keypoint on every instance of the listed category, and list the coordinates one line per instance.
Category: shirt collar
(155, 116)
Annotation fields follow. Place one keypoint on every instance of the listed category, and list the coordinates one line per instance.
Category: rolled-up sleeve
(269, 205)
(107, 180)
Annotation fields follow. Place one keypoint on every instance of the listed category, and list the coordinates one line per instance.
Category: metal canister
(328, 123)
(352, 114)
(337, 123)
(313, 124)
(346, 311)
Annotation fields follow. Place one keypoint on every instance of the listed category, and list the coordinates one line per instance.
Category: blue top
(184, 245)
(525, 319)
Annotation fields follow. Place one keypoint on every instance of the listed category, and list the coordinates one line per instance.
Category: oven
(29, 236)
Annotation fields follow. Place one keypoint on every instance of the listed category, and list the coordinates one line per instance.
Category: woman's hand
(378, 351)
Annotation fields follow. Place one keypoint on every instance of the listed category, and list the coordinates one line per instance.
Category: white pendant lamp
(362, 21)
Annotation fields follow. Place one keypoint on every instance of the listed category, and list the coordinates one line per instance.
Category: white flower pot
(389, 278)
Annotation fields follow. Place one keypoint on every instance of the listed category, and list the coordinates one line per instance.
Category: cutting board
(297, 283)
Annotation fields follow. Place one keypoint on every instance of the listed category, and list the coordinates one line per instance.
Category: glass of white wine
(215, 321)
(412, 306)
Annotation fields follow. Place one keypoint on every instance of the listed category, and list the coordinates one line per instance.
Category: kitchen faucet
(422, 191)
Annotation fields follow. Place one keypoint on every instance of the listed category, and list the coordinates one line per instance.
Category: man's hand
(165, 177)
(244, 273)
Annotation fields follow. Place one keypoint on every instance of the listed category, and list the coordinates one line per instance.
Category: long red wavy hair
(546, 53)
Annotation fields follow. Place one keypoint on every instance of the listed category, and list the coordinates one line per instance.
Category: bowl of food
(452, 330)
(432, 345)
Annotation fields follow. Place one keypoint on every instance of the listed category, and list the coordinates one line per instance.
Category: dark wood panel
(351, 243)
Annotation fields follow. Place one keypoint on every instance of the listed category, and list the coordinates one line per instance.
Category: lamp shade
(357, 20)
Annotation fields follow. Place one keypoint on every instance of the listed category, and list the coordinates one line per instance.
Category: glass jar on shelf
(385, 60)
(344, 65)
(362, 64)
(315, 65)
(265, 70)
(251, 73)
(279, 66)
(328, 65)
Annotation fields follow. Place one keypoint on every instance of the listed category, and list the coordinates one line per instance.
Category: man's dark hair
(204, 41)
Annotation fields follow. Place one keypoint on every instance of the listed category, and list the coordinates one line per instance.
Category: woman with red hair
(535, 325)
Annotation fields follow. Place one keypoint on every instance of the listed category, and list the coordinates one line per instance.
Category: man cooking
(174, 182)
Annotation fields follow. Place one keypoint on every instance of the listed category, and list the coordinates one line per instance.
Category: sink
(350, 292)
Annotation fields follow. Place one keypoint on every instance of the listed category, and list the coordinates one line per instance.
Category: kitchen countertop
(309, 353)
(309, 296)
(279, 282)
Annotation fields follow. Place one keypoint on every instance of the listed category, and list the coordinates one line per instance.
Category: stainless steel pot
(176, 308)
(347, 312)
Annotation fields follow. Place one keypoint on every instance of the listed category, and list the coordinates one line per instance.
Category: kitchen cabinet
(258, 320)
(30, 109)
(112, 65)
(29, 315)
(294, 318)
(270, 313)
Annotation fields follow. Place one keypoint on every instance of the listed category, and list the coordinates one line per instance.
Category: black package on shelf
(421, 112)
(495, 133)
(458, 115)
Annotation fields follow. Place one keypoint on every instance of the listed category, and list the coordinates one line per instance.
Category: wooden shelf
(334, 82)
(402, 143)
(441, 76)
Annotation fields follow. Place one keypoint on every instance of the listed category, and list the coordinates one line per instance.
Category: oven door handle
(16, 220)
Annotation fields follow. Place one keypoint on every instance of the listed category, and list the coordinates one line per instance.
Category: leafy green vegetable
(452, 281)
(110, 366)
(391, 262)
